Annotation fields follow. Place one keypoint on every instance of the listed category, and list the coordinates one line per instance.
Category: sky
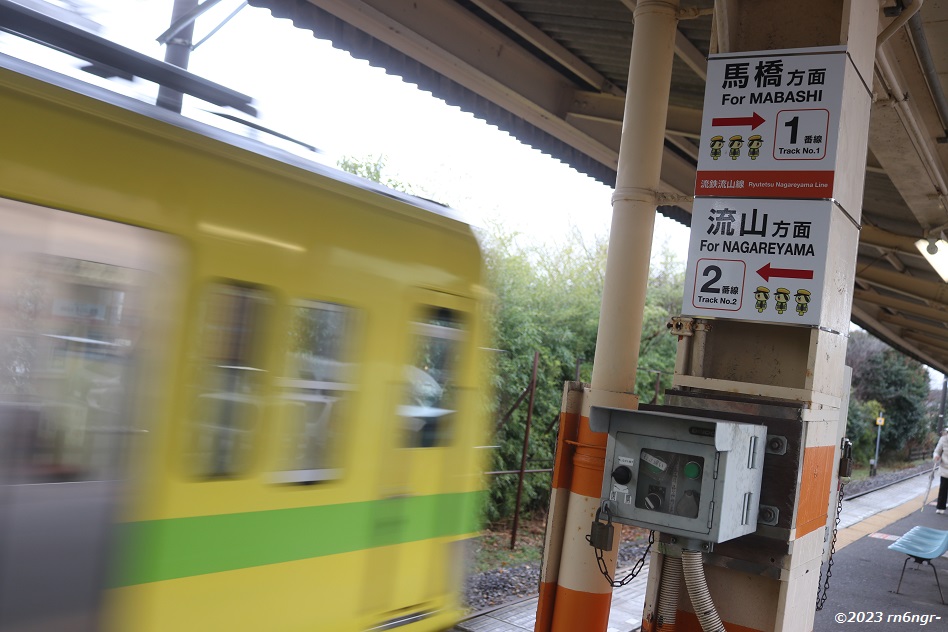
(322, 96)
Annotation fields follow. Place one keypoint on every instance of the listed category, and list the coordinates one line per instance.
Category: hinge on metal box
(717, 458)
(710, 515)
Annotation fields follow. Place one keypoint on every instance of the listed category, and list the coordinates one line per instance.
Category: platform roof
(553, 74)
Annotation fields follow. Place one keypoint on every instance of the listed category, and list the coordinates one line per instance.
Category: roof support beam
(682, 121)
(921, 328)
(938, 344)
(903, 283)
(681, 143)
(898, 342)
(888, 244)
(884, 239)
(901, 305)
(893, 260)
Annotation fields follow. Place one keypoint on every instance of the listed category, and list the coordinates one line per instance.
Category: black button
(622, 475)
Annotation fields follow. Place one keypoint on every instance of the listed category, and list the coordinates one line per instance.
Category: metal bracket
(674, 545)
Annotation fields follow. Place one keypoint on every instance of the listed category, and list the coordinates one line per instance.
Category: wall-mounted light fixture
(936, 253)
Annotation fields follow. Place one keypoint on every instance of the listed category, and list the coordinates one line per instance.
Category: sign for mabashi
(770, 124)
(757, 259)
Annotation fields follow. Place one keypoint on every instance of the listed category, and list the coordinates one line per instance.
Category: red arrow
(785, 273)
(754, 121)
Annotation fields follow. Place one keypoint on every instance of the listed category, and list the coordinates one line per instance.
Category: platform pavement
(885, 509)
(866, 574)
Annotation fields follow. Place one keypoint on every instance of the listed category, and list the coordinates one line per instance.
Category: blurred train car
(238, 391)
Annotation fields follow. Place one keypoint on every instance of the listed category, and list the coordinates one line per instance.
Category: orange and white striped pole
(580, 598)
(559, 501)
(574, 594)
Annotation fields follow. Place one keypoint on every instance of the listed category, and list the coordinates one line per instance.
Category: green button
(692, 470)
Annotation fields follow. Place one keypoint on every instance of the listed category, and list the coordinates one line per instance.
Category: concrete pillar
(793, 377)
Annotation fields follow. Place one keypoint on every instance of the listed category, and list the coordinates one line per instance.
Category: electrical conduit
(698, 592)
(668, 593)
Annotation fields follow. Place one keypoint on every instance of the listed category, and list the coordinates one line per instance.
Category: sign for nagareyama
(760, 260)
(770, 124)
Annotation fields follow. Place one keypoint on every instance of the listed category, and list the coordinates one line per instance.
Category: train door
(417, 455)
(76, 310)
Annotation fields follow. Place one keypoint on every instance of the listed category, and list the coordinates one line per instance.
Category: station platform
(864, 579)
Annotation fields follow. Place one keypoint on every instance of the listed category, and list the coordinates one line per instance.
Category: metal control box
(688, 476)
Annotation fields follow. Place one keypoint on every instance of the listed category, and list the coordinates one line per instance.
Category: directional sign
(770, 124)
(753, 121)
(758, 259)
(767, 272)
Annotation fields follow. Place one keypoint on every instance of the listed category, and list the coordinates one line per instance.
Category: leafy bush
(548, 300)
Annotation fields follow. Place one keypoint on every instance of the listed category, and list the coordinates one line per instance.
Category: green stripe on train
(159, 550)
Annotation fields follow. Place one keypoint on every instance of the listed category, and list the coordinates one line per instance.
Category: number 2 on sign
(715, 273)
(719, 284)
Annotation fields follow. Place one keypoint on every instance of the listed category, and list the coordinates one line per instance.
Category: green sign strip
(159, 550)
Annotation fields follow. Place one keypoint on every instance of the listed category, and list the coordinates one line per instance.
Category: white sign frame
(770, 125)
(740, 245)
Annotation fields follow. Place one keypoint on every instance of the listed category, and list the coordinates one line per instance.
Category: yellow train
(238, 391)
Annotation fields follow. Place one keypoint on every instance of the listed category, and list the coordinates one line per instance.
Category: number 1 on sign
(801, 134)
(793, 124)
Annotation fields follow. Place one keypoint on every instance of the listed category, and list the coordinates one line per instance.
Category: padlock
(601, 533)
(846, 458)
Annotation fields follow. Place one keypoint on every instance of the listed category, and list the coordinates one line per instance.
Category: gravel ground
(868, 484)
(504, 585)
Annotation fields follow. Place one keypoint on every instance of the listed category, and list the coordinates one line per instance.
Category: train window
(427, 413)
(319, 377)
(69, 356)
(230, 395)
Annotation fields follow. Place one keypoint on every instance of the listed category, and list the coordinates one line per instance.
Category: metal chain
(821, 597)
(635, 569)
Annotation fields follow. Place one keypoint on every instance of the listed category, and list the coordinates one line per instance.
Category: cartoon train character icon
(753, 146)
(717, 142)
(735, 143)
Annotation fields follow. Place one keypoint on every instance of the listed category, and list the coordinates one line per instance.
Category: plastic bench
(923, 544)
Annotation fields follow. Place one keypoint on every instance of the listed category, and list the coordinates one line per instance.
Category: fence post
(526, 442)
